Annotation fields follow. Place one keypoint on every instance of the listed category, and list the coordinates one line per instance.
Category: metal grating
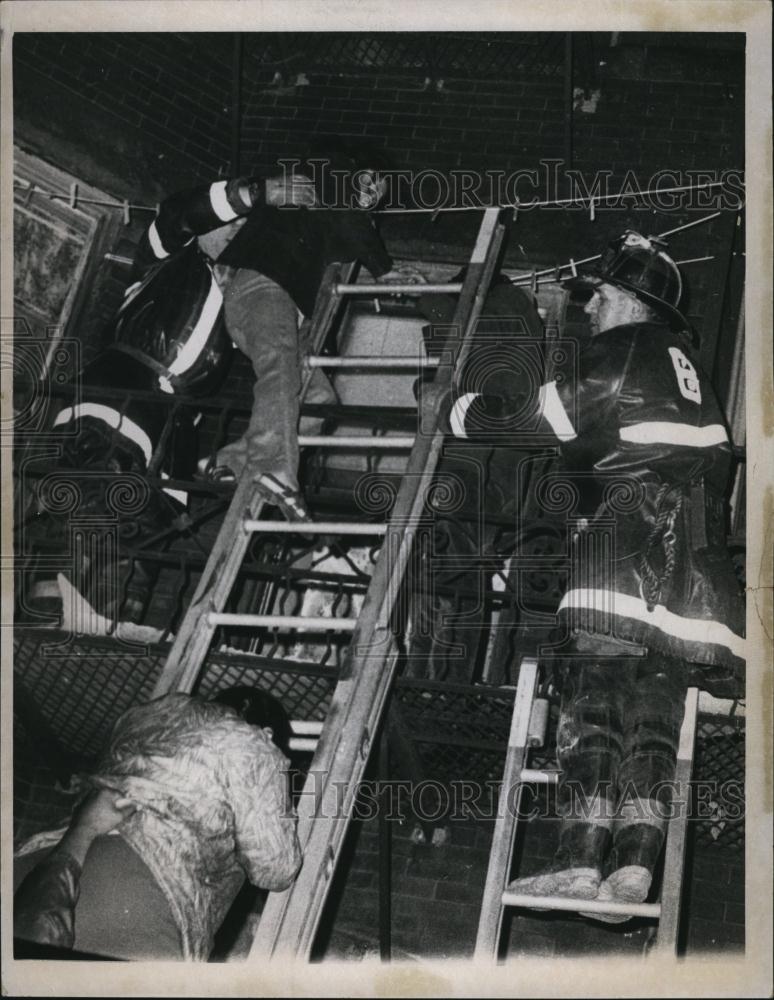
(719, 771)
(459, 731)
(82, 686)
(460, 735)
(480, 55)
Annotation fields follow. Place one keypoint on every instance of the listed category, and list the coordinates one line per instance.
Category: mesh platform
(79, 688)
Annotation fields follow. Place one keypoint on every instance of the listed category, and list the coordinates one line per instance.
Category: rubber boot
(636, 850)
(576, 869)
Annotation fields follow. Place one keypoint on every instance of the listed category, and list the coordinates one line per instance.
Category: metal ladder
(290, 919)
(516, 774)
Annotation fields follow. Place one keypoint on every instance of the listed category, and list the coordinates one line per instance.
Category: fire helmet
(639, 265)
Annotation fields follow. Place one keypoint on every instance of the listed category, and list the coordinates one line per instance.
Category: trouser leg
(262, 320)
(320, 390)
(590, 744)
(651, 733)
(651, 736)
(120, 910)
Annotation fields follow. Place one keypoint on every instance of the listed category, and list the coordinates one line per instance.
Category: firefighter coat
(645, 456)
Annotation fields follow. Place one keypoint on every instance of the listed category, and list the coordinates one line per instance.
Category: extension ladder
(524, 734)
(290, 919)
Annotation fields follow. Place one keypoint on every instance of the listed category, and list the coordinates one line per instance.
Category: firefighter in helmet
(652, 602)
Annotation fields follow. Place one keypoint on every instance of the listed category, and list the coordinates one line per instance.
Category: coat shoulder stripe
(197, 341)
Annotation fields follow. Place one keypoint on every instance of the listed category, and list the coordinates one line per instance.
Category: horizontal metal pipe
(284, 621)
(360, 441)
(539, 777)
(578, 905)
(408, 289)
(315, 527)
(394, 361)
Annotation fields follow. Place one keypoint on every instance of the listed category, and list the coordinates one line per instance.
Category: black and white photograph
(386, 444)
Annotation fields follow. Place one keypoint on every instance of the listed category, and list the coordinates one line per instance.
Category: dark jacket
(292, 246)
(645, 458)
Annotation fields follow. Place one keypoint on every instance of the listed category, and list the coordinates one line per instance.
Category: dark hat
(258, 708)
(638, 265)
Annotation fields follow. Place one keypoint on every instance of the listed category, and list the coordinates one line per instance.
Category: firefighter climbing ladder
(290, 919)
(525, 732)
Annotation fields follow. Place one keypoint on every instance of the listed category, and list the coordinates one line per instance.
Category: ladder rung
(303, 744)
(375, 415)
(573, 905)
(396, 443)
(369, 361)
(306, 727)
(454, 287)
(316, 527)
(548, 777)
(283, 621)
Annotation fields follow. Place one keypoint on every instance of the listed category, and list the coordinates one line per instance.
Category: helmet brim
(582, 282)
(588, 282)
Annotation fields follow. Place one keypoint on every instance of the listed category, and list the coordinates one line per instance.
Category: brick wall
(673, 107)
(141, 115)
(658, 107)
(135, 114)
(677, 109)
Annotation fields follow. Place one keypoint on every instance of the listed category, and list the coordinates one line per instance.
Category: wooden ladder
(290, 919)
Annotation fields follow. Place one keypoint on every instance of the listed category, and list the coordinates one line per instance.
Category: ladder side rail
(674, 859)
(504, 834)
(290, 919)
(192, 642)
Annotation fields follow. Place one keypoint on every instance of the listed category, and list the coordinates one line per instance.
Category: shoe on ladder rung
(622, 894)
(280, 495)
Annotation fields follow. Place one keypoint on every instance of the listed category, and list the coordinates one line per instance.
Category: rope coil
(663, 537)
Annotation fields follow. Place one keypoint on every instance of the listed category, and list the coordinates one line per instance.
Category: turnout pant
(617, 739)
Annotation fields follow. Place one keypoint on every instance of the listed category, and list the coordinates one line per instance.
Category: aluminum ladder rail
(496, 896)
(290, 919)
